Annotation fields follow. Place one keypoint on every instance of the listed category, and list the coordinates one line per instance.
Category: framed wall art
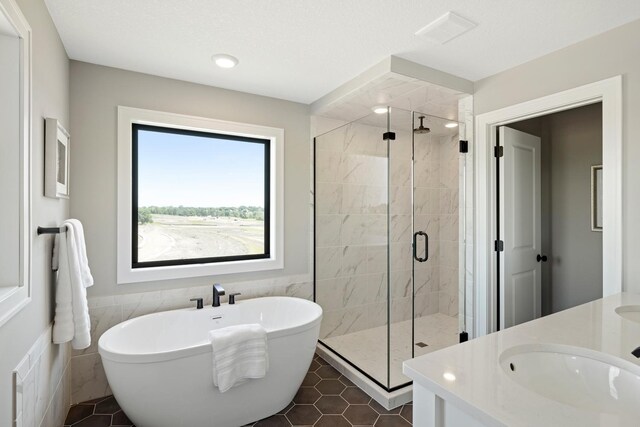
(56, 167)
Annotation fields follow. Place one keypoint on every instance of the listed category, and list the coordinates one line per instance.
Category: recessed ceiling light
(380, 109)
(225, 61)
(451, 125)
(449, 376)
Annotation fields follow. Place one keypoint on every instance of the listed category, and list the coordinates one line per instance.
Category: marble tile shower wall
(88, 378)
(436, 213)
(356, 180)
(401, 237)
(442, 177)
(351, 228)
(449, 216)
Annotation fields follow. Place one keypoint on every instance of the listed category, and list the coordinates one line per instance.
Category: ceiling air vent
(446, 28)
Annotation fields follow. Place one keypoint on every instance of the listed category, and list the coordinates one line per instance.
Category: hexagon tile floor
(326, 398)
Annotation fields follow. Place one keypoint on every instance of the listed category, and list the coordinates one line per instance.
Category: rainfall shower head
(421, 129)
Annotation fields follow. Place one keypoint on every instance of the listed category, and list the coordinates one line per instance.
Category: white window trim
(125, 273)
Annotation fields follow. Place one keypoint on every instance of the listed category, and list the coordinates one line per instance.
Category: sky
(195, 171)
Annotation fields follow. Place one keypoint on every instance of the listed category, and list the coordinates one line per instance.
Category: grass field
(179, 237)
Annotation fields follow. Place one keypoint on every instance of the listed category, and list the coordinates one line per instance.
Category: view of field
(199, 195)
(168, 237)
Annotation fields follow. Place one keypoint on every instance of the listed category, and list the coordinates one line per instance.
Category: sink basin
(575, 376)
(629, 312)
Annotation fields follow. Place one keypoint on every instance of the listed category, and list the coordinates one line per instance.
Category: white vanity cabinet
(431, 410)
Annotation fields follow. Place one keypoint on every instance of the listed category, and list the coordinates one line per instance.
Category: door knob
(542, 258)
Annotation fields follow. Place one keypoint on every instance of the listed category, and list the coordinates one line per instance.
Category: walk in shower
(389, 250)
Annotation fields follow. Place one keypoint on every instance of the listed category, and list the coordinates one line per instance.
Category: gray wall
(576, 145)
(96, 91)
(50, 99)
(612, 53)
(571, 144)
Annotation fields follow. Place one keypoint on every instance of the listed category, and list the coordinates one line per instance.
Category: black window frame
(135, 127)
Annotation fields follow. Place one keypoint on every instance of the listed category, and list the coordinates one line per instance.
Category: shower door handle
(415, 246)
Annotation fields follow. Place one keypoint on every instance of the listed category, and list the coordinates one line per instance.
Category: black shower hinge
(389, 135)
(464, 336)
(498, 151)
(499, 246)
(464, 146)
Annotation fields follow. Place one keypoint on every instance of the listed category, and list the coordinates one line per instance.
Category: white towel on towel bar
(239, 354)
(83, 261)
(71, 321)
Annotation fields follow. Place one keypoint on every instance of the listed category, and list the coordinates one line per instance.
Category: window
(203, 196)
(198, 197)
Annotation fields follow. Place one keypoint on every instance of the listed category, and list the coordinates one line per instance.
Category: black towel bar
(50, 230)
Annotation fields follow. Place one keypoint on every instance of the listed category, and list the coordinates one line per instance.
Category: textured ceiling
(301, 49)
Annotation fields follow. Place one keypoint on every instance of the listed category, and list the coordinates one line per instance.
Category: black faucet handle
(636, 352)
(232, 297)
(199, 302)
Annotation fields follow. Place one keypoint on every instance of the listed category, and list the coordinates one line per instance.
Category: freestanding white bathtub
(159, 366)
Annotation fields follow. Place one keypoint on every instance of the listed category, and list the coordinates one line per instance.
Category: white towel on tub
(239, 354)
(71, 321)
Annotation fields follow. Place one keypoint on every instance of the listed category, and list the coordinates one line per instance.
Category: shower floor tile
(326, 398)
(367, 349)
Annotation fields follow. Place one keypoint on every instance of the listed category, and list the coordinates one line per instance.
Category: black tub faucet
(636, 352)
(217, 291)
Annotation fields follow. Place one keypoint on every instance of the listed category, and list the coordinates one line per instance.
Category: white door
(520, 227)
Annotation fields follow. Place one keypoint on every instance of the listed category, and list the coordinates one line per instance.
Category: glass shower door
(438, 195)
(424, 199)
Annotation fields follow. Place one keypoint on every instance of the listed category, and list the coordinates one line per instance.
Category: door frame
(609, 92)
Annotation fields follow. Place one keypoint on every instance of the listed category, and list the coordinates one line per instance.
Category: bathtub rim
(200, 348)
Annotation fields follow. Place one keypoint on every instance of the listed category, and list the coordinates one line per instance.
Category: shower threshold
(388, 399)
(358, 355)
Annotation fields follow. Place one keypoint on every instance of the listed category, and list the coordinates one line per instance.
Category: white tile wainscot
(88, 378)
(465, 386)
(42, 384)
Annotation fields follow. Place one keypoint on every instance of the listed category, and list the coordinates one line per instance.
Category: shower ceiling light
(225, 61)
(449, 376)
(380, 109)
(451, 125)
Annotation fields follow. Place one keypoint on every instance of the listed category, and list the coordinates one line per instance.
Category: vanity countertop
(479, 386)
